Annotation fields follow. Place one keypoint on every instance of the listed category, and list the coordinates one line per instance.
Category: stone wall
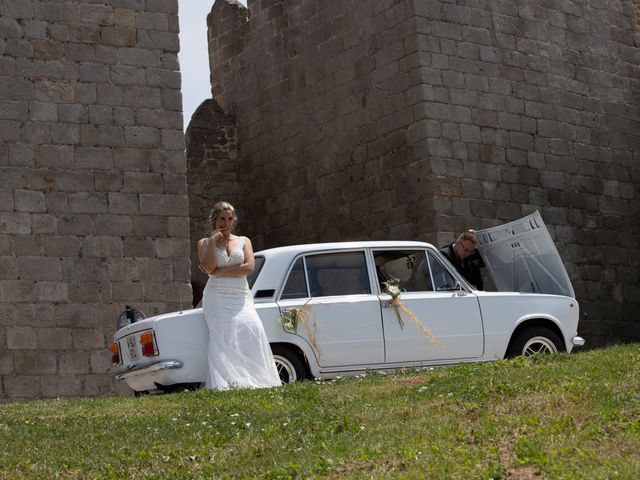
(212, 160)
(93, 205)
(415, 119)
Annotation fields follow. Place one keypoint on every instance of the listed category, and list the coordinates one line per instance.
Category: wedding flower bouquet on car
(392, 288)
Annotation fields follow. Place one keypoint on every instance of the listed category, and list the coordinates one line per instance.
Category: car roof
(313, 247)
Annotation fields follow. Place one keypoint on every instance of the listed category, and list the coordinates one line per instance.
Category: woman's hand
(216, 235)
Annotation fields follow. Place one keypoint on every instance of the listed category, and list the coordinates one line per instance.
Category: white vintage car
(345, 323)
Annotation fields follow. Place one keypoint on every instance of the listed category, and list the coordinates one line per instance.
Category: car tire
(535, 340)
(290, 366)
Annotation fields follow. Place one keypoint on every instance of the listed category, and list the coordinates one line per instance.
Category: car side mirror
(459, 290)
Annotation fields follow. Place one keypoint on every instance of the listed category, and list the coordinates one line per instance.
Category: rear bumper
(577, 341)
(147, 368)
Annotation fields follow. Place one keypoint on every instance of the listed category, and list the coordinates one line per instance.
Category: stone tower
(93, 204)
(417, 119)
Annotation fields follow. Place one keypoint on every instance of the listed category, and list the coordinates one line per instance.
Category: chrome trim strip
(578, 341)
(135, 370)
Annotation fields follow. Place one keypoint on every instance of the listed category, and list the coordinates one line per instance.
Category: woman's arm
(207, 253)
(243, 269)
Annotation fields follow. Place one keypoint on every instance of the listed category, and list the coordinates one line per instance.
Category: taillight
(115, 353)
(148, 344)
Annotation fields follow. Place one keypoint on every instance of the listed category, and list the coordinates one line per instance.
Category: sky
(193, 56)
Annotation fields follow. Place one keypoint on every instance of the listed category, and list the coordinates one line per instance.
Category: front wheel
(535, 340)
(290, 366)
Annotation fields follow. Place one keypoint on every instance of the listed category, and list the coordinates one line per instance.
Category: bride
(239, 355)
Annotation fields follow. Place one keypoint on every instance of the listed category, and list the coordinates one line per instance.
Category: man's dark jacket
(469, 268)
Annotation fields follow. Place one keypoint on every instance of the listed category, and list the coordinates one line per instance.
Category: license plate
(133, 352)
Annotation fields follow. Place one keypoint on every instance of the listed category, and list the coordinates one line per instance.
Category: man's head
(465, 244)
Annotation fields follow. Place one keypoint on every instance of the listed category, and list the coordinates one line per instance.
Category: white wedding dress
(239, 355)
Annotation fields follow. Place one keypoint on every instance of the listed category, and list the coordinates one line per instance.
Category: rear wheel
(290, 366)
(535, 340)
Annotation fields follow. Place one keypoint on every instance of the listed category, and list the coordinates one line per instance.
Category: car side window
(409, 267)
(342, 273)
(296, 286)
(442, 279)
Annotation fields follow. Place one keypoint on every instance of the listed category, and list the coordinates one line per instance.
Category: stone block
(94, 158)
(17, 290)
(21, 155)
(143, 182)
(85, 93)
(178, 227)
(43, 112)
(9, 130)
(127, 292)
(123, 203)
(22, 338)
(75, 225)
(150, 226)
(29, 201)
(54, 339)
(108, 94)
(62, 246)
(141, 137)
(83, 269)
(6, 362)
(117, 225)
(88, 202)
(73, 362)
(101, 384)
(65, 133)
(151, 204)
(171, 247)
(43, 223)
(107, 180)
(123, 270)
(88, 339)
(73, 113)
(90, 292)
(39, 268)
(22, 386)
(140, 57)
(10, 110)
(52, 292)
(152, 21)
(102, 246)
(174, 184)
(6, 200)
(101, 361)
(8, 268)
(123, 116)
(138, 247)
(26, 246)
(118, 36)
(61, 386)
(75, 181)
(35, 361)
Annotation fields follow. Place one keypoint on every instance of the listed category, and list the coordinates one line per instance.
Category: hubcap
(539, 345)
(285, 369)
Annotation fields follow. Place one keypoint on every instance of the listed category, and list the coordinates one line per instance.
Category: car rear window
(328, 274)
(259, 263)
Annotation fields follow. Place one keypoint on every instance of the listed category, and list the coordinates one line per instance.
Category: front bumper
(577, 341)
(147, 368)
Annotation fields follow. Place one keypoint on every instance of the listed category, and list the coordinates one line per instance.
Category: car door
(429, 295)
(341, 319)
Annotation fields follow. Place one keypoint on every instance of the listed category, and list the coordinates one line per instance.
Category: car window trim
(364, 250)
(439, 257)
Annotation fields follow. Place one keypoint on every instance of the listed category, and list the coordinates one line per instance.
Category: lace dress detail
(239, 354)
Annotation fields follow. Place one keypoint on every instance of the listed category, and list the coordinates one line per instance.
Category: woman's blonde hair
(220, 207)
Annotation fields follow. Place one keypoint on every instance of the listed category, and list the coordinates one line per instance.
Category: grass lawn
(561, 417)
